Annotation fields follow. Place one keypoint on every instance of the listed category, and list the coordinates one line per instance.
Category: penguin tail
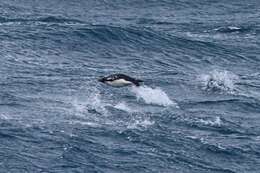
(137, 82)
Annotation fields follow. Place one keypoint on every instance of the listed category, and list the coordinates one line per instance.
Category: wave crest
(232, 29)
(216, 122)
(219, 81)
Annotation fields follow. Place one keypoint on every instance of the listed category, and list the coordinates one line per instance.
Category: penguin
(120, 80)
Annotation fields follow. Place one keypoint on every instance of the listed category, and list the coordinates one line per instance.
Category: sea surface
(198, 110)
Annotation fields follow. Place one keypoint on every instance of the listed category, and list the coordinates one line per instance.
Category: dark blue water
(197, 112)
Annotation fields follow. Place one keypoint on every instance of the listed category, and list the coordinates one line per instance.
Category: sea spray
(153, 96)
(90, 102)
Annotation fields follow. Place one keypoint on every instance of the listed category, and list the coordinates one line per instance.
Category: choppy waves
(196, 112)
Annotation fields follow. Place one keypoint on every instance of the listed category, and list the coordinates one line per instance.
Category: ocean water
(197, 112)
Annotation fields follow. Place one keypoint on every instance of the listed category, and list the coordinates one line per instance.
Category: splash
(92, 102)
(219, 81)
(123, 106)
(153, 96)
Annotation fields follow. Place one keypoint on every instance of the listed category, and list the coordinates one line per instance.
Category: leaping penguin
(120, 80)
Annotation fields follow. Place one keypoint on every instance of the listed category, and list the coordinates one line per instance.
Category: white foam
(257, 138)
(84, 123)
(4, 117)
(140, 123)
(220, 80)
(233, 28)
(229, 27)
(153, 96)
(123, 106)
(216, 122)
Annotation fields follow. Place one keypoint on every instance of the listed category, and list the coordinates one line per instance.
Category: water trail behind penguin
(153, 96)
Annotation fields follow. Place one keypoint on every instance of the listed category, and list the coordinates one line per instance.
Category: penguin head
(102, 79)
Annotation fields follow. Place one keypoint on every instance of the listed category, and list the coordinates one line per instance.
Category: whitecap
(137, 123)
(233, 28)
(216, 122)
(4, 117)
(84, 123)
(219, 80)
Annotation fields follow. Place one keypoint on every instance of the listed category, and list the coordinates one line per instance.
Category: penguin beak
(101, 79)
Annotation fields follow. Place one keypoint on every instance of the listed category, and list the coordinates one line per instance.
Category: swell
(48, 19)
(165, 45)
(243, 104)
(169, 47)
(211, 125)
(128, 38)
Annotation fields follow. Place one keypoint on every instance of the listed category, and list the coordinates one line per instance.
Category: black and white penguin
(120, 80)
